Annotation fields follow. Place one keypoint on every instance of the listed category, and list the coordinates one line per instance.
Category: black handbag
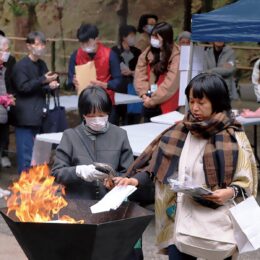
(54, 120)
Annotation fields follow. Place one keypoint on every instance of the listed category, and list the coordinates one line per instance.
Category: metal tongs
(106, 168)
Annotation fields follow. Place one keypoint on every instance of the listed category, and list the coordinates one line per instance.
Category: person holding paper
(105, 60)
(31, 80)
(94, 140)
(157, 73)
(211, 148)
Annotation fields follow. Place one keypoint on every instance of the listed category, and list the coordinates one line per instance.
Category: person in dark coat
(128, 56)
(31, 80)
(94, 140)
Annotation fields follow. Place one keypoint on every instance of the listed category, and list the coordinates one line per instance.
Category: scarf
(161, 157)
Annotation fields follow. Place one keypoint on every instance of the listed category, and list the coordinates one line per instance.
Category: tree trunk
(122, 13)
(32, 17)
(187, 15)
(207, 6)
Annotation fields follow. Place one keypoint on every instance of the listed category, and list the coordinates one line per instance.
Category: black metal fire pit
(104, 236)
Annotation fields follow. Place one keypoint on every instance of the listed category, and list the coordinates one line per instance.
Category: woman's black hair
(94, 99)
(86, 32)
(213, 87)
(124, 31)
(32, 36)
(162, 56)
(143, 20)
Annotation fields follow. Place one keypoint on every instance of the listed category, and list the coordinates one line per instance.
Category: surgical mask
(149, 28)
(155, 43)
(5, 56)
(130, 41)
(96, 123)
(91, 49)
(38, 51)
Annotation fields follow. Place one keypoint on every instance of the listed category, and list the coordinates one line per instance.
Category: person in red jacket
(106, 63)
(156, 77)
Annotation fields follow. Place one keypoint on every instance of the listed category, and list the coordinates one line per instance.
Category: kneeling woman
(210, 147)
(94, 140)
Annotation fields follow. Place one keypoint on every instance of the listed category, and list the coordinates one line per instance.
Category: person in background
(210, 147)
(128, 56)
(105, 60)
(145, 27)
(249, 113)
(220, 59)
(95, 140)
(256, 80)
(6, 66)
(31, 80)
(157, 73)
(184, 38)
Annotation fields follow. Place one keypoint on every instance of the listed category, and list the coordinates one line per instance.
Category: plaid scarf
(161, 157)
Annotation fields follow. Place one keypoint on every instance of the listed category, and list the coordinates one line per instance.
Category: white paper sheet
(113, 199)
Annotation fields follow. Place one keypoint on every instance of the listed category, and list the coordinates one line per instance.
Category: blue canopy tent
(237, 22)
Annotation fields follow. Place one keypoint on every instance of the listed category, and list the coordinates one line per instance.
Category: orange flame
(34, 197)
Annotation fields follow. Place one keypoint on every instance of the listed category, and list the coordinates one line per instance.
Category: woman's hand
(220, 196)
(125, 181)
(147, 101)
(126, 72)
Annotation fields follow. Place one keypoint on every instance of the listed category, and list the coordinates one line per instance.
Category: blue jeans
(24, 146)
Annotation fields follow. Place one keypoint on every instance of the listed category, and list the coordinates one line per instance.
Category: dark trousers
(175, 254)
(151, 112)
(4, 139)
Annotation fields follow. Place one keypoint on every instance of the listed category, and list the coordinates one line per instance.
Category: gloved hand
(89, 173)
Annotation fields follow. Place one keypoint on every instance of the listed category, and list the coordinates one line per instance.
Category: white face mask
(96, 123)
(91, 49)
(130, 41)
(5, 56)
(148, 28)
(38, 51)
(155, 43)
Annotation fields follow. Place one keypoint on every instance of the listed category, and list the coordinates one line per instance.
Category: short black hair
(86, 32)
(212, 86)
(32, 36)
(125, 30)
(143, 21)
(94, 99)
(2, 33)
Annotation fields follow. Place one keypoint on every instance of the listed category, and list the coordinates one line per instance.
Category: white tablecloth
(71, 102)
(140, 136)
(171, 117)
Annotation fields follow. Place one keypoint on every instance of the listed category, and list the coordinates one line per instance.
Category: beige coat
(245, 176)
(170, 84)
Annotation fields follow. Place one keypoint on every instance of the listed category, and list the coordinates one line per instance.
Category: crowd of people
(208, 145)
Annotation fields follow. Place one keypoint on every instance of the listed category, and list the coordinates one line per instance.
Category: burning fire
(34, 197)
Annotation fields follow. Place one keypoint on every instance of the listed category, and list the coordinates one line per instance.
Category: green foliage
(32, 2)
(16, 8)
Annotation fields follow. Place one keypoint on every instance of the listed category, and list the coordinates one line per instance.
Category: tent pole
(189, 72)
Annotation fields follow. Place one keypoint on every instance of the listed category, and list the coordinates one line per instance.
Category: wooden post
(53, 55)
